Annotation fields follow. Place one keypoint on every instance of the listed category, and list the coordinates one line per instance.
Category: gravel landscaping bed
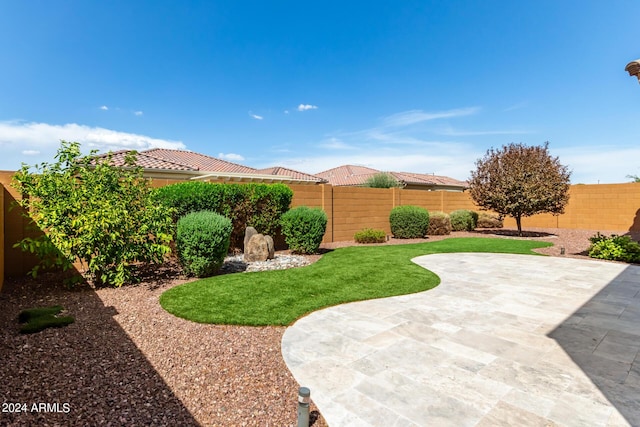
(125, 361)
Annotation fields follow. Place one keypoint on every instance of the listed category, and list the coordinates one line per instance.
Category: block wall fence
(601, 207)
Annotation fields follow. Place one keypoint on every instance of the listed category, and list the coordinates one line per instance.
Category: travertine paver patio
(504, 340)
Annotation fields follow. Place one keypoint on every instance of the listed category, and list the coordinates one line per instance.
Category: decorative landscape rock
(257, 249)
(236, 264)
(249, 232)
(271, 246)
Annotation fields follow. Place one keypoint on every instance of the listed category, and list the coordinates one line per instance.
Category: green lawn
(344, 275)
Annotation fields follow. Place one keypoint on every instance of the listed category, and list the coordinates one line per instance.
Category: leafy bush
(489, 220)
(369, 235)
(303, 229)
(463, 220)
(203, 242)
(256, 205)
(614, 248)
(439, 224)
(409, 222)
(94, 212)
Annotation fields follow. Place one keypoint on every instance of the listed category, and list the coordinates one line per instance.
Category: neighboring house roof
(282, 171)
(200, 166)
(197, 161)
(350, 175)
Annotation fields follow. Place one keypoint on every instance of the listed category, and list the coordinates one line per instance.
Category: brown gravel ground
(127, 362)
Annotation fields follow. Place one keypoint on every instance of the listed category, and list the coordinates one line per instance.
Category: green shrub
(463, 220)
(439, 224)
(303, 229)
(94, 212)
(614, 248)
(409, 222)
(489, 220)
(369, 235)
(203, 242)
(256, 205)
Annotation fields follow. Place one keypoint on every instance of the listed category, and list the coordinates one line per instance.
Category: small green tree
(520, 181)
(93, 212)
(381, 180)
(634, 178)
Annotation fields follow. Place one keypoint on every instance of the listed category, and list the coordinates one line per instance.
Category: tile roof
(358, 175)
(188, 161)
(348, 175)
(147, 162)
(427, 179)
(282, 171)
(196, 161)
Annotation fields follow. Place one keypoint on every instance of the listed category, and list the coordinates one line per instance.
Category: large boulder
(249, 232)
(256, 249)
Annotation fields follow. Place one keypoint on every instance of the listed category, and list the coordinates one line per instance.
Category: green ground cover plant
(614, 248)
(370, 235)
(40, 318)
(343, 275)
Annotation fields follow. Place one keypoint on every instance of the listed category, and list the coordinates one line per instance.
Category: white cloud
(517, 106)
(586, 163)
(336, 144)
(138, 113)
(416, 116)
(305, 107)
(286, 111)
(21, 139)
(231, 157)
(104, 108)
(255, 116)
(450, 131)
(450, 164)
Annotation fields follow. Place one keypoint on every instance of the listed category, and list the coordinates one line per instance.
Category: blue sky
(418, 86)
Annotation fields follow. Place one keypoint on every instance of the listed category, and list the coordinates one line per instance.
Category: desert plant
(489, 220)
(202, 241)
(95, 212)
(409, 222)
(303, 229)
(463, 220)
(369, 235)
(614, 248)
(381, 180)
(256, 205)
(439, 224)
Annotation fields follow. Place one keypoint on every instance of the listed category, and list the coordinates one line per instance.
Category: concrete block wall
(605, 207)
(16, 227)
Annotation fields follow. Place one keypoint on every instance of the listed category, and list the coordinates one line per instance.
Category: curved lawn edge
(357, 273)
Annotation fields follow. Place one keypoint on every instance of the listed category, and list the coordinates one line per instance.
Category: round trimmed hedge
(463, 220)
(303, 229)
(202, 241)
(409, 222)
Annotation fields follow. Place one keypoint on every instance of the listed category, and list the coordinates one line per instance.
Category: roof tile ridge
(146, 153)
